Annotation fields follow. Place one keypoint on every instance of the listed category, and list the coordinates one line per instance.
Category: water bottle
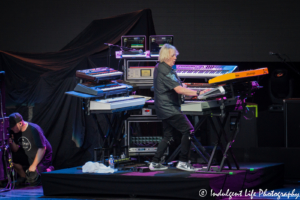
(111, 162)
(123, 155)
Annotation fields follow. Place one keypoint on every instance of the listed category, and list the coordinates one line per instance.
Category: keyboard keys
(203, 71)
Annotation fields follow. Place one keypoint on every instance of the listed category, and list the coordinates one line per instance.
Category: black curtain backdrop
(40, 80)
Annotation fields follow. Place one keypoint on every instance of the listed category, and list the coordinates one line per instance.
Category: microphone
(278, 55)
(108, 44)
(272, 53)
(126, 48)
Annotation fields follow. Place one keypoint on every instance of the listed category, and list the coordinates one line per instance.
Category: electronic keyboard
(115, 103)
(203, 71)
(100, 73)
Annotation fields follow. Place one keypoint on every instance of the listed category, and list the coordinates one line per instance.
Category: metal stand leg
(198, 148)
(174, 154)
(113, 133)
(110, 129)
(118, 130)
(99, 128)
(218, 143)
(194, 143)
(228, 144)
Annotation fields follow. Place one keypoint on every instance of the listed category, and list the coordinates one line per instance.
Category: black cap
(14, 118)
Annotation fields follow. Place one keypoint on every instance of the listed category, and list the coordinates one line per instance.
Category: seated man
(31, 150)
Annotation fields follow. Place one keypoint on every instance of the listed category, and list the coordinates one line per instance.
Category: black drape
(40, 80)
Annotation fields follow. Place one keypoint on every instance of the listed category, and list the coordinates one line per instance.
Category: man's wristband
(198, 92)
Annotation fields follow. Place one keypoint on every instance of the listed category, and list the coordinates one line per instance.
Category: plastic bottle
(111, 162)
(123, 155)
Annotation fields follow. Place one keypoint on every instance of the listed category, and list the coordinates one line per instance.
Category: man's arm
(38, 157)
(188, 92)
(14, 147)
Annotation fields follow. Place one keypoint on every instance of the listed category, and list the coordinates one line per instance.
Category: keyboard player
(167, 94)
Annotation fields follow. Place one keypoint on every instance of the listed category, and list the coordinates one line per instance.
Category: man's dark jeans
(181, 124)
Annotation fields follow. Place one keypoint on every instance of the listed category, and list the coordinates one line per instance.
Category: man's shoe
(157, 166)
(186, 166)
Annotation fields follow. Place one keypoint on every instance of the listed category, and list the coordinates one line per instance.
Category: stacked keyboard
(200, 106)
(98, 74)
(203, 71)
(98, 90)
(101, 85)
(116, 103)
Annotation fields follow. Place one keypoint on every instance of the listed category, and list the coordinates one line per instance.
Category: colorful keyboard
(100, 73)
(99, 90)
(203, 71)
(239, 75)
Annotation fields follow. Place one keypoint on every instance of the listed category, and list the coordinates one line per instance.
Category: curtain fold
(40, 80)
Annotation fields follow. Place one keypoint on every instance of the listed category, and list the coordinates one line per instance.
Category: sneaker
(186, 166)
(157, 166)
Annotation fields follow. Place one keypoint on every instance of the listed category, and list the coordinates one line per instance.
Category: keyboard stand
(227, 149)
(221, 119)
(195, 143)
(114, 131)
(115, 119)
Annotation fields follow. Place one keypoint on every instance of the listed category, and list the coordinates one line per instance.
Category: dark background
(212, 30)
(205, 32)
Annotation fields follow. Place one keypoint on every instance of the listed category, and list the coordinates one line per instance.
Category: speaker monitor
(292, 122)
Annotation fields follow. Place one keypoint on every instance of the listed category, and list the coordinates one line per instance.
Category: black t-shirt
(167, 101)
(31, 140)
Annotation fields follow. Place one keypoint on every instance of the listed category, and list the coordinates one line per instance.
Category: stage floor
(172, 183)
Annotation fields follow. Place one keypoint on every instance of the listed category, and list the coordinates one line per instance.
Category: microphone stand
(286, 63)
(109, 55)
(109, 50)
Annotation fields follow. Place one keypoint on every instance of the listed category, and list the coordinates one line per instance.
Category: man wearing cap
(31, 150)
